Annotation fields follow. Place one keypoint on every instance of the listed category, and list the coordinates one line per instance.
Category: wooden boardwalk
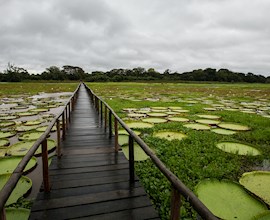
(91, 181)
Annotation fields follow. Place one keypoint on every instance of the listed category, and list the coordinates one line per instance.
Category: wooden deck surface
(91, 181)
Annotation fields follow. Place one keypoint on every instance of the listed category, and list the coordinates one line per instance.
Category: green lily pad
(23, 186)
(139, 125)
(181, 110)
(263, 216)
(228, 200)
(23, 128)
(39, 110)
(159, 108)
(8, 164)
(3, 152)
(8, 117)
(154, 120)
(208, 121)
(197, 126)
(257, 182)
(233, 126)
(26, 114)
(4, 142)
(17, 213)
(22, 147)
(136, 115)
(7, 134)
(4, 124)
(123, 139)
(209, 116)
(123, 131)
(44, 128)
(34, 122)
(237, 148)
(156, 114)
(210, 109)
(34, 135)
(223, 131)
(178, 119)
(139, 154)
(175, 108)
(170, 135)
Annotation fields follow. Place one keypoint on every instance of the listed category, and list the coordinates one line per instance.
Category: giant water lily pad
(136, 115)
(154, 120)
(123, 139)
(139, 154)
(44, 128)
(123, 131)
(39, 110)
(33, 122)
(17, 213)
(8, 164)
(26, 114)
(170, 135)
(178, 119)
(233, 126)
(23, 186)
(228, 200)
(22, 147)
(263, 216)
(3, 152)
(8, 117)
(4, 142)
(209, 116)
(237, 148)
(257, 182)
(4, 124)
(34, 135)
(181, 110)
(197, 126)
(208, 121)
(7, 134)
(156, 114)
(139, 125)
(223, 131)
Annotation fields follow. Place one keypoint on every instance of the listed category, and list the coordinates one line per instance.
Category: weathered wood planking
(91, 181)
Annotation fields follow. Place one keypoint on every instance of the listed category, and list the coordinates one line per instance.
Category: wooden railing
(178, 188)
(64, 115)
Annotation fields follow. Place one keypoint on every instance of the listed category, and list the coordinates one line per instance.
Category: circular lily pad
(136, 115)
(44, 128)
(129, 109)
(23, 128)
(208, 121)
(228, 200)
(209, 116)
(17, 213)
(210, 109)
(223, 131)
(4, 142)
(139, 154)
(7, 134)
(8, 117)
(26, 114)
(156, 114)
(233, 126)
(178, 119)
(139, 125)
(23, 186)
(159, 108)
(3, 152)
(34, 135)
(123, 139)
(175, 108)
(4, 124)
(170, 135)
(257, 182)
(154, 120)
(197, 126)
(237, 148)
(22, 147)
(8, 164)
(39, 110)
(34, 122)
(181, 110)
(123, 131)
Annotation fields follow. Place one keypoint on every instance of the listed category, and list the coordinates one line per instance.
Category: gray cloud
(180, 35)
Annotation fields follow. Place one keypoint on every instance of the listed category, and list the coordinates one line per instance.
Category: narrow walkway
(91, 181)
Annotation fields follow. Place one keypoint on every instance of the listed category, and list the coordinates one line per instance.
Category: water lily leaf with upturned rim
(197, 126)
(33, 135)
(4, 124)
(4, 142)
(209, 116)
(238, 148)
(17, 213)
(157, 114)
(8, 164)
(154, 120)
(178, 119)
(228, 200)
(139, 154)
(223, 131)
(257, 182)
(208, 121)
(233, 126)
(139, 125)
(170, 135)
(23, 186)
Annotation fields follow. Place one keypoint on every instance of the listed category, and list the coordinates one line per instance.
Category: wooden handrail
(177, 185)
(17, 173)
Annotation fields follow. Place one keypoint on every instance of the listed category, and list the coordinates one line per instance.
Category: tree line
(70, 73)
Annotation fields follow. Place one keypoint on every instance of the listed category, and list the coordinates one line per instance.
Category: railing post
(69, 112)
(105, 116)
(63, 126)
(58, 138)
(66, 110)
(45, 166)
(110, 124)
(101, 112)
(116, 146)
(175, 204)
(3, 214)
(131, 159)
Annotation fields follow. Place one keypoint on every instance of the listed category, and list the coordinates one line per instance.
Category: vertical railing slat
(175, 204)
(58, 128)
(110, 124)
(131, 159)
(105, 116)
(45, 166)
(63, 126)
(3, 214)
(116, 145)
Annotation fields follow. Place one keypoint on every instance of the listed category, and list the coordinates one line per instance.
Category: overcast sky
(180, 35)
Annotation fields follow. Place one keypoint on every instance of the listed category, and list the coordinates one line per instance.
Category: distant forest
(70, 73)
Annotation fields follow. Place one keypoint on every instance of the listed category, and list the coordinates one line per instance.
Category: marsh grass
(196, 157)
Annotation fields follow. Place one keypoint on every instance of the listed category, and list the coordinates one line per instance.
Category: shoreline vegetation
(74, 73)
